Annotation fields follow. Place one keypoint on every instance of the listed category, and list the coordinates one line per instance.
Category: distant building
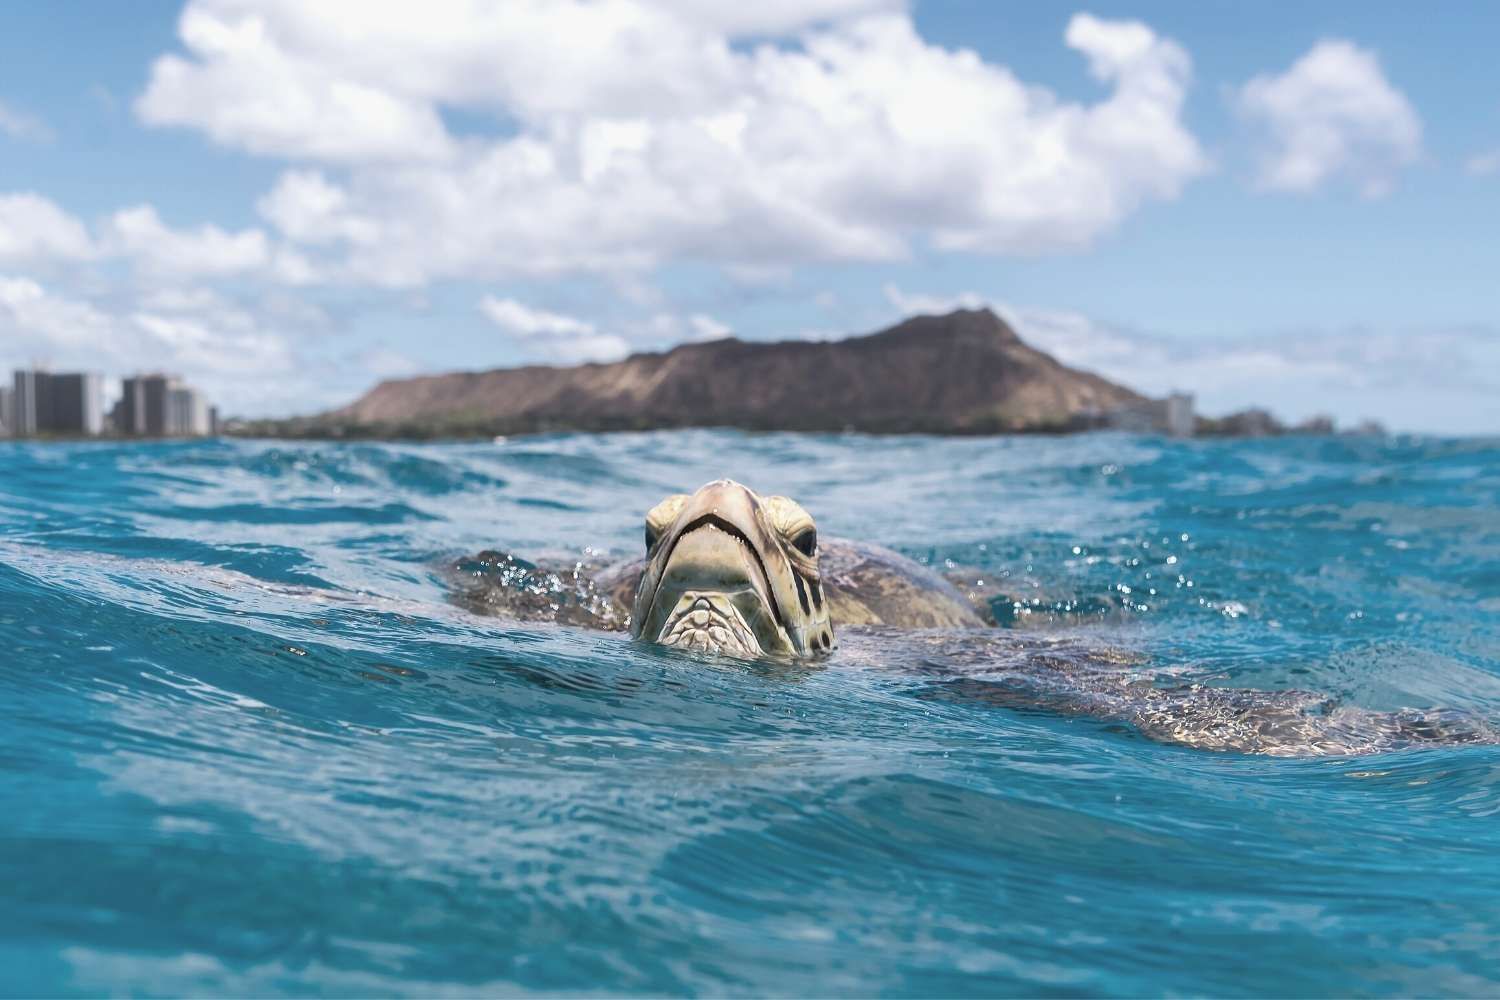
(29, 399)
(77, 403)
(142, 409)
(7, 412)
(46, 403)
(1180, 421)
(1173, 415)
(187, 413)
(1137, 418)
(1254, 422)
(126, 415)
(1318, 424)
(161, 406)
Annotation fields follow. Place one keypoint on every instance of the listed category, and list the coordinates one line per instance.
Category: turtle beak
(712, 582)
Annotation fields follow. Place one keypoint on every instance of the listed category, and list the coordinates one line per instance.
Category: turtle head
(731, 572)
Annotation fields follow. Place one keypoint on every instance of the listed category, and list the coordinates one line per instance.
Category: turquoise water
(250, 747)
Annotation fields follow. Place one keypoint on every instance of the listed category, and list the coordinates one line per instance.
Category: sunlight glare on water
(252, 747)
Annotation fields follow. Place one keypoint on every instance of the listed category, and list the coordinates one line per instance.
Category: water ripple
(252, 746)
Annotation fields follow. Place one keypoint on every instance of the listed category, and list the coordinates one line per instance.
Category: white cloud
(293, 267)
(815, 334)
(244, 364)
(705, 327)
(34, 228)
(20, 125)
(555, 336)
(1443, 380)
(216, 343)
(1332, 113)
(382, 362)
(1484, 164)
(628, 135)
(918, 304)
(305, 206)
(559, 337)
(247, 90)
(599, 347)
(1437, 380)
(663, 329)
(207, 250)
(346, 81)
(774, 17)
(522, 320)
(30, 316)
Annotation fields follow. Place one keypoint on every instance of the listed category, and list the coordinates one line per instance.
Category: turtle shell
(870, 585)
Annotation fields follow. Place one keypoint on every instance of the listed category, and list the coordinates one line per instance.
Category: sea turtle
(731, 573)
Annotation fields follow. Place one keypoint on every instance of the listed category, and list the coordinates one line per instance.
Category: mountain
(963, 373)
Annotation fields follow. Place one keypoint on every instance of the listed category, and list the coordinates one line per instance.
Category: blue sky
(286, 202)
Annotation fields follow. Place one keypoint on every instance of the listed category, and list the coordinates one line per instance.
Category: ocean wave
(253, 745)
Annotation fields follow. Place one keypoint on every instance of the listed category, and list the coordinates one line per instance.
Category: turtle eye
(660, 518)
(806, 542)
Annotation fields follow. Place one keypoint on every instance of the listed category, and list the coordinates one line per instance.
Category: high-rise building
(142, 409)
(129, 414)
(29, 400)
(43, 403)
(77, 403)
(7, 412)
(187, 412)
(130, 411)
(161, 406)
(1181, 420)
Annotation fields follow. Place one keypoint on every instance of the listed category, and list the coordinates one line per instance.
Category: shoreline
(480, 437)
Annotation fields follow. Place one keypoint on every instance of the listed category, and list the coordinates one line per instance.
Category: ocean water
(250, 745)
